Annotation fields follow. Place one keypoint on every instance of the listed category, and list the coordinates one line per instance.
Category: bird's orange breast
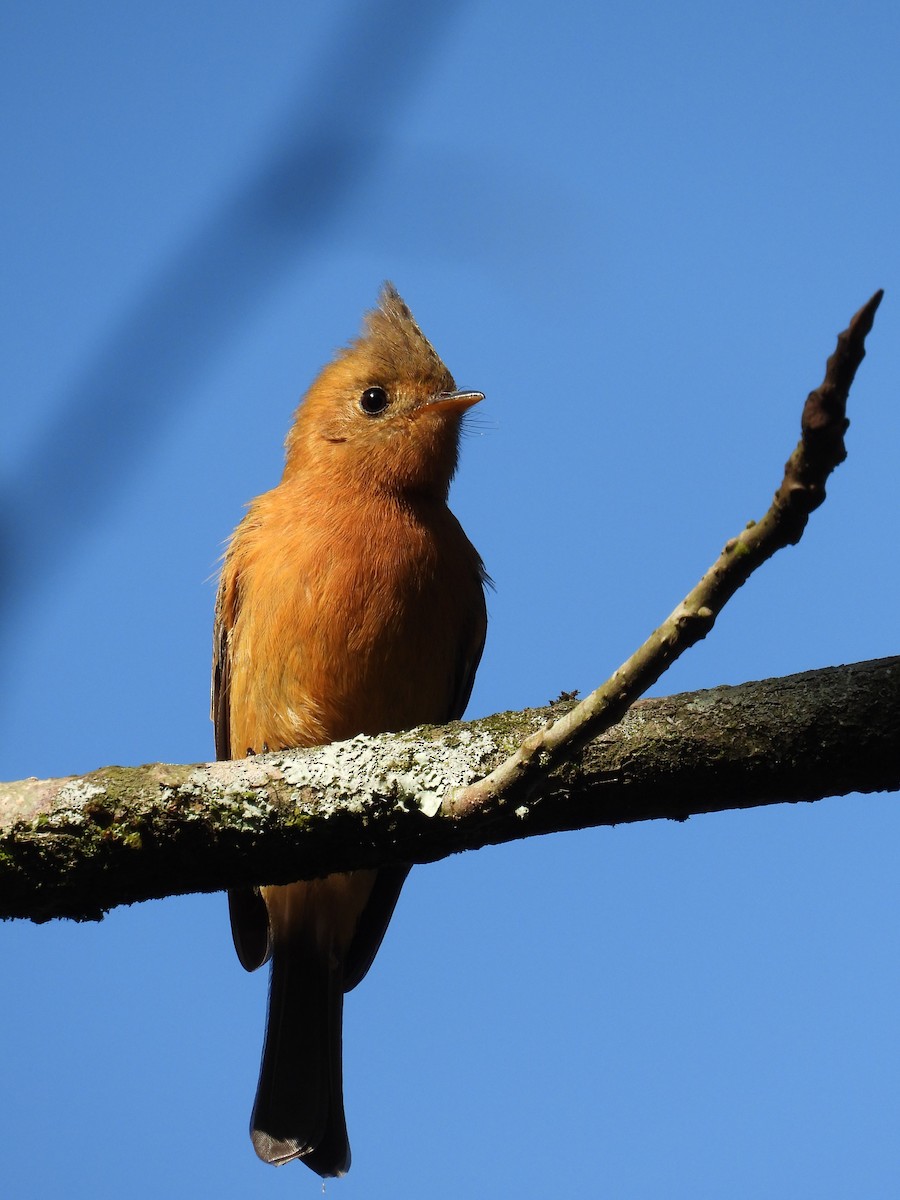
(349, 616)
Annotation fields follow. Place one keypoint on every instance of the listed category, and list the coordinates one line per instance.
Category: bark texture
(80, 846)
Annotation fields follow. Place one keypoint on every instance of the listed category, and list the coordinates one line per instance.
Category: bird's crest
(392, 333)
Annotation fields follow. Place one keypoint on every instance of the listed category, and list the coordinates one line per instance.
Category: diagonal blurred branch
(332, 136)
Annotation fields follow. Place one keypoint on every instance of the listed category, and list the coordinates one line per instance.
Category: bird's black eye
(373, 401)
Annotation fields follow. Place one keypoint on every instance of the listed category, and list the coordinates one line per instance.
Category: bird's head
(385, 411)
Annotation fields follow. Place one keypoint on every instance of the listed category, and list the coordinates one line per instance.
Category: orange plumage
(350, 602)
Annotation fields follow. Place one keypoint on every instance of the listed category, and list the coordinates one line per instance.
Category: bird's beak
(455, 401)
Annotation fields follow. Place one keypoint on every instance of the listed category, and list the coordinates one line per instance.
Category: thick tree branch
(820, 449)
(78, 847)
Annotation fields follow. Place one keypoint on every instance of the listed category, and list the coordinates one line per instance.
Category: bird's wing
(249, 917)
(471, 649)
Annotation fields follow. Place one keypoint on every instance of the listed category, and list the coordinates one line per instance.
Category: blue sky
(637, 228)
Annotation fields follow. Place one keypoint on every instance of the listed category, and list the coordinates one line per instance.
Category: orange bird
(350, 602)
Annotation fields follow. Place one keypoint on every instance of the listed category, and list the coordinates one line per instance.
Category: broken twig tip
(866, 315)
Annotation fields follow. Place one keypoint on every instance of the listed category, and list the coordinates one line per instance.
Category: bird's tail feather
(299, 1108)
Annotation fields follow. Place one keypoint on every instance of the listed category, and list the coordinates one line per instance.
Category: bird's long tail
(299, 1108)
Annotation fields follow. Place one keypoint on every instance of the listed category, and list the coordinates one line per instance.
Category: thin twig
(819, 451)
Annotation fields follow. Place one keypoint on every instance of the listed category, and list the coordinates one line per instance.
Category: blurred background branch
(327, 149)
